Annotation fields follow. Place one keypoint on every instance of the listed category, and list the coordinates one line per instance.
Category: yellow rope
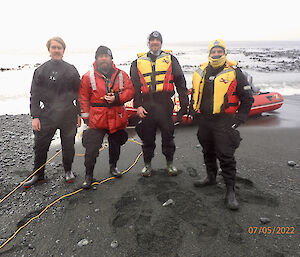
(2, 200)
(70, 194)
(30, 176)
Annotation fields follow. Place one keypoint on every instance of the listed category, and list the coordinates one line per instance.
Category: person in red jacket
(102, 94)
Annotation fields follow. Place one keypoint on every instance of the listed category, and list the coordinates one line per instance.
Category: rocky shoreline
(130, 216)
(262, 60)
(20, 67)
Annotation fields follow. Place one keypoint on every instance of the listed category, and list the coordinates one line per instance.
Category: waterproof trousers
(160, 116)
(92, 140)
(43, 138)
(219, 141)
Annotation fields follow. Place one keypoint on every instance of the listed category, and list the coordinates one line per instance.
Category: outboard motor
(249, 78)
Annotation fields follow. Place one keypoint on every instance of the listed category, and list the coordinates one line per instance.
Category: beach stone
(291, 163)
(170, 201)
(114, 244)
(82, 242)
(264, 220)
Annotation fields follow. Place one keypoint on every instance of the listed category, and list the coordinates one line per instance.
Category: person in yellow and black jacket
(154, 75)
(221, 101)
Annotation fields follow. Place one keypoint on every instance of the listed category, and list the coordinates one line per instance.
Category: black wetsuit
(54, 100)
(159, 106)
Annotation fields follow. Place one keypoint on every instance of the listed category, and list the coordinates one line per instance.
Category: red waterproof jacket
(93, 87)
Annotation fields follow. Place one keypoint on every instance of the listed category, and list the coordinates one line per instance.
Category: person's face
(155, 45)
(216, 52)
(104, 62)
(56, 50)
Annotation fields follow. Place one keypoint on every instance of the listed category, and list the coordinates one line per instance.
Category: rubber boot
(37, 178)
(70, 177)
(146, 171)
(114, 171)
(209, 180)
(172, 171)
(230, 199)
(88, 180)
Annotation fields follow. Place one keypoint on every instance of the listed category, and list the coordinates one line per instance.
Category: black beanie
(103, 50)
(155, 34)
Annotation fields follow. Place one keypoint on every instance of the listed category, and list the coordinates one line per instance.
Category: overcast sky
(88, 23)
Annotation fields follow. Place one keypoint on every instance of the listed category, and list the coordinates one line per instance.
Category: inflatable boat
(263, 102)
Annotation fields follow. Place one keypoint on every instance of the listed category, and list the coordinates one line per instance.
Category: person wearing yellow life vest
(154, 75)
(221, 101)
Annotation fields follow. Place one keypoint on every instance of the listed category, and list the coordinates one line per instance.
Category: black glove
(236, 122)
(180, 113)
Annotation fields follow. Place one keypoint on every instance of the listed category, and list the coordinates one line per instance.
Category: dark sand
(130, 209)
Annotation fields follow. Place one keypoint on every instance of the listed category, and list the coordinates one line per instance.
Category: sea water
(275, 66)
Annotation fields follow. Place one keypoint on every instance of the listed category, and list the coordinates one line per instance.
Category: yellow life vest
(225, 98)
(155, 76)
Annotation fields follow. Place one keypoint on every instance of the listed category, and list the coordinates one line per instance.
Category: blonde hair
(57, 39)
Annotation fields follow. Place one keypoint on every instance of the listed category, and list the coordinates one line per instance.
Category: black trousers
(92, 140)
(43, 138)
(219, 141)
(160, 116)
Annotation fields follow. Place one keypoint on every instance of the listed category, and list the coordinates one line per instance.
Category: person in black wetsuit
(54, 105)
(222, 99)
(154, 75)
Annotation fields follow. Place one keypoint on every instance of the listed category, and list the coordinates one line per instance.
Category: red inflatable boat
(266, 102)
(263, 102)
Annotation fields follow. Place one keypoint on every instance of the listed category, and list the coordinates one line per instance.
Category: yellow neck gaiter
(218, 62)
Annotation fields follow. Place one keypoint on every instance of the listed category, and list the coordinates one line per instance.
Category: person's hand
(78, 121)
(109, 98)
(141, 112)
(86, 121)
(236, 122)
(180, 113)
(36, 124)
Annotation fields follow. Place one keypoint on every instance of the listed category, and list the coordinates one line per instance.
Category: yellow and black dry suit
(217, 95)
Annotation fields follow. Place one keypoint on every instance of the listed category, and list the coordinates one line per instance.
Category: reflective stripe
(121, 81)
(225, 71)
(92, 79)
(85, 115)
(247, 87)
(162, 55)
(158, 57)
(200, 72)
(145, 58)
